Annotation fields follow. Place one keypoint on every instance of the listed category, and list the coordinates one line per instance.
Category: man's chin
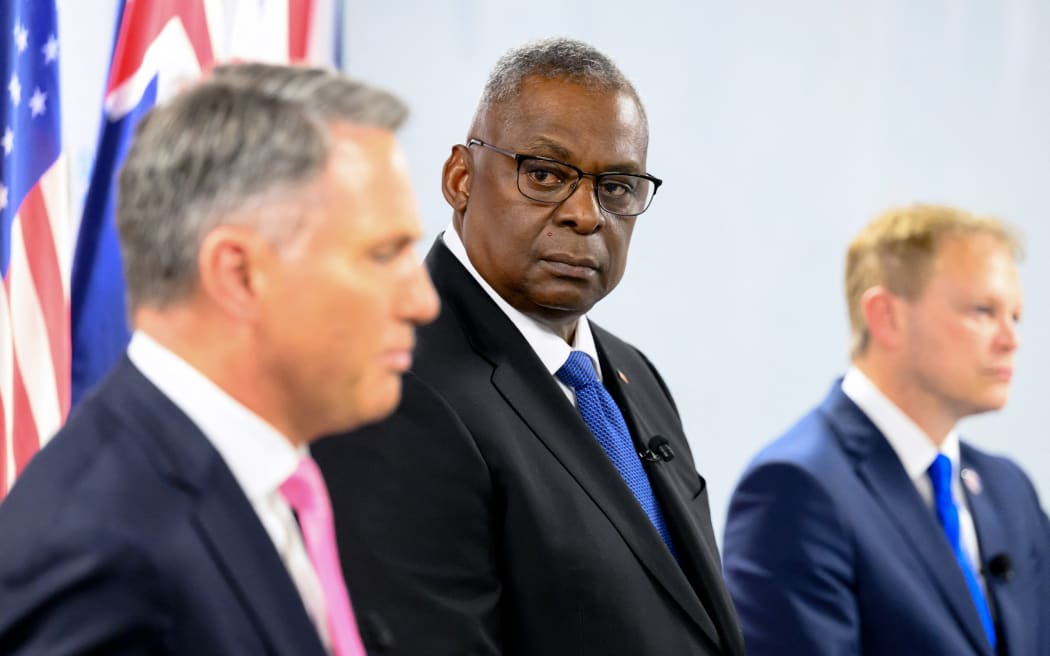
(990, 403)
(382, 401)
(383, 405)
(562, 306)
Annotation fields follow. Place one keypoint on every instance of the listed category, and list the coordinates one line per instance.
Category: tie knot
(577, 372)
(940, 472)
(304, 490)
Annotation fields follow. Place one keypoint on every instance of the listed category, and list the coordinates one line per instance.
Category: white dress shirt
(552, 350)
(259, 457)
(916, 453)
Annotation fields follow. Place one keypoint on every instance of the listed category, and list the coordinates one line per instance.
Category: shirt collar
(552, 350)
(260, 457)
(912, 446)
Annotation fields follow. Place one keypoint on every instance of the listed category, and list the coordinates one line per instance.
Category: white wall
(780, 129)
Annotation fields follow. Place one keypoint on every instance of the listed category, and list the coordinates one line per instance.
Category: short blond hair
(898, 250)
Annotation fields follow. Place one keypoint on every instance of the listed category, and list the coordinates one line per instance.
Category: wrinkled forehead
(578, 119)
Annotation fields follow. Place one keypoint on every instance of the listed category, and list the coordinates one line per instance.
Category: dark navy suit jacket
(830, 549)
(127, 534)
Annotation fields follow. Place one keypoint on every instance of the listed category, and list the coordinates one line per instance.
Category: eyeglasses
(548, 180)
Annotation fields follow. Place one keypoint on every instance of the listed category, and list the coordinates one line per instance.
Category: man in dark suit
(256, 232)
(534, 493)
(869, 527)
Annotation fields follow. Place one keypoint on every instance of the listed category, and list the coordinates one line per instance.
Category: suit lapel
(557, 424)
(881, 472)
(991, 539)
(692, 542)
(225, 519)
(530, 390)
(255, 571)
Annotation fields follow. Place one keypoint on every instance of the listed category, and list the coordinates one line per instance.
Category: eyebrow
(545, 147)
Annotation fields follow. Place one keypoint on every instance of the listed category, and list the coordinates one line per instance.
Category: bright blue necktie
(941, 476)
(603, 417)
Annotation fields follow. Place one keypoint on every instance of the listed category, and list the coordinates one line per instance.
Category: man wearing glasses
(534, 493)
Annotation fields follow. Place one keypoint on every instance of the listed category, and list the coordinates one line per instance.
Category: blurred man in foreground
(269, 252)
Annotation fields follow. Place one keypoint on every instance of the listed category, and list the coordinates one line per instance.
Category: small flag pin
(972, 480)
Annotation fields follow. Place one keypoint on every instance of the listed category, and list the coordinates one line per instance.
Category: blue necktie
(601, 415)
(941, 476)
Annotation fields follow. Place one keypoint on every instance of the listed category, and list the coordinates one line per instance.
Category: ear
(456, 178)
(229, 268)
(883, 313)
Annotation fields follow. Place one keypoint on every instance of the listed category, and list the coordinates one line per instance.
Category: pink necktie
(305, 491)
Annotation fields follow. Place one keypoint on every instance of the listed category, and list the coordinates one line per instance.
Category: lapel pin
(622, 376)
(972, 480)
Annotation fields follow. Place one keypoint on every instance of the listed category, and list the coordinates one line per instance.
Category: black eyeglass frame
(581, 174)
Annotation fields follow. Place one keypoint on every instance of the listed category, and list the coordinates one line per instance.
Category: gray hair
(241, 147)
(327, 93)
(553, 58)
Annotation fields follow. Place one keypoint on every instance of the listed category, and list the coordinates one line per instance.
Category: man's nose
(581, 211)
(422, 304)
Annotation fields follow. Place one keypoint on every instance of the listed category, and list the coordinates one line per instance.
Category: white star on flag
(50, 49)
(21, 37)
(37, 102)
(9, 141)
(15, 87)
(3, 196)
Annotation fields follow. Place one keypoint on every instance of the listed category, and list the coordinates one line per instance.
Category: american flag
(160, 46)
(35, 240)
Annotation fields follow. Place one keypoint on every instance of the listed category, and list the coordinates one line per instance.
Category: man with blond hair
(869, 527)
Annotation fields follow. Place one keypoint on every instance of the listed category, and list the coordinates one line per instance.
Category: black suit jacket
(485, 518)
(128, 534)
(831, 550)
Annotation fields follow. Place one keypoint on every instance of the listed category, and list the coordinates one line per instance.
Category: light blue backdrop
(780, 129)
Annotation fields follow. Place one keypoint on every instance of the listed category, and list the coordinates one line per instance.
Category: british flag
(34, 238)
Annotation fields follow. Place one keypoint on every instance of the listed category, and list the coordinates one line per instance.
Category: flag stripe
(54, 187)
(46, 275)
(325, 34)
(299, 21)
(7, 379)
(26, 439)
(34, 367)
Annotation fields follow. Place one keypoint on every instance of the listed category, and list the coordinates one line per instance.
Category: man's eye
(386, 254)
(614, 189)
(545, 177)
